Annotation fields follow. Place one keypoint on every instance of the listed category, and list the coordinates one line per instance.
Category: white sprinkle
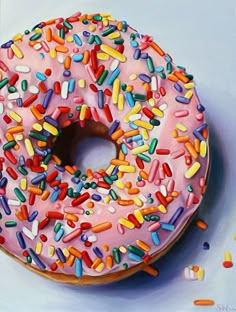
(28, 233)
(13, 96)
(102, 191)
(187, 273)
(111, 209)
(60, 59)
(35, 227)
(193, 275)
(10, 105)
(92, 238)
(37, 46)
(142, 198)
(22, 69)
(1, 108)
(163, 190)
(135, 117)
(154, 83)
(114, 65)
(13, 202)
(64, 90)
(34, 89)
(163, 107)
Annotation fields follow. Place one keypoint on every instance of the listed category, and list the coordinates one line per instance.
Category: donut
(84, 76)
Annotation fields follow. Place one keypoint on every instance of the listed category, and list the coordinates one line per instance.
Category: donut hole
(87, 147)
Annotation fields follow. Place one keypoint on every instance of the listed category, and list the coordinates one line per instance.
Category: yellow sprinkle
(17, 51)
(234, 236)
(113, 53)
(200, 274)
(135, 110)
(107, 200)
(53, 53)
(29, 147)
(105, 22)
(192, 170)
(100, 267)
(158, 112)
(181, 127)
(126, 223)
(92, 27)
(83, 112)
(15, 116)
(138, 216)
(66, 252)
(105, 14)
(17, 37)
(38, 30)
(152, 102)
(189, 85)
(37, 127)
(227, 256)
(23, 184)
(19, 137)
(111, 19)
(51, 251)
(145, 134)
(50, 128)
(69, 39)
(110, 169)
(143, 124)
(122, 249)
(82, 83)
(103, 56)
(138, 202)
(203, 149)
(140, 149)
(120, 184)
(114, 35)
(127, 169)
(38, 248)
(45, 167)
(133, 77)
(116, 91)
(121, 102)
(189, 94)
(162, 208)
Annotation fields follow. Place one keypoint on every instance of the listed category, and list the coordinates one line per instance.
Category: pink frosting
(36, 55)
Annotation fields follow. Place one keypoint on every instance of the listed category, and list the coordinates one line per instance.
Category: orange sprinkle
(149, 210)
(50, 22)
(35, 190)
(204, 302)
(41, 144)
(173, 78)
(45, 195)
(133, 191)
(118, 162)
(86, 57)
(9, 136)
(70, 260)
(69, 169)
(197, 145)
(101, 227)
(121, 156)
(58, 39)
(125, 202)
(182, 139)
(117, 134)
(60, 264)
(89, 173)
(175, 194)
(67, 62)
(128, 185)
(119, 26)
(175, 133)
(131, 133)
(156, 47)
(143, 174)
(169, 199)
(56, 159)
(96, 263)
(150, 270)
(61, 49)
(75, 252)
(66, 123)
(201, 224)
(190, 148)
(105, 248)
(14, 130)
(19, 215)
(141, 244)
(147, 86)
(90, 205)
(36, 113)
(205, 133)
(72, 217)
(109, 262)
(181, 77)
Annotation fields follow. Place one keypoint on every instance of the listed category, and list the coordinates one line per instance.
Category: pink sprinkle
(199, 117)
(76, 50)
(202, 182)
(181, 113)
(56, 114)
(58, 206)
(94, 114)
(120, 229)
(82, 123)
(91, 73)
(78, 100)
(141, 183)
(170, 186)
(100, 25)
(156, 96)
(10, 54)
(190, 200)
(74, 234)
(2, 98)
(177, 154)
(45, 46)
(158, 182)
(153, 170)
(72, 210)
(77, 14)
(153, 227)
(162, 173)
(3, 66)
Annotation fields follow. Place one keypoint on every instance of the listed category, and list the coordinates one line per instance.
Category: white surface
(200, 35)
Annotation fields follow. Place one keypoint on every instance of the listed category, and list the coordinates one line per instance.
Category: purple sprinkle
(202, 127)
(200, 108)
(145, 78)
(59, 168)
(176, 215)
(7, 45)
(60, 255)
(47, 98)
(38, 179)
(3, 182)
(100, 99)
(144, 56)
(198, 135)
(182, 100)
(96, 197)
(67, 73)
(22, 161)
(98, 252)
(137, 54)
(178, 87)
(84, 237)
(51, 121)
(113, 127)
(86, 34)
(36, 259)
(33, 216)
(5, 206)
(20, 240)
(19, 102)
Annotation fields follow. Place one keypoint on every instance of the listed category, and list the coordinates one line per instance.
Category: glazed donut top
(92, 67)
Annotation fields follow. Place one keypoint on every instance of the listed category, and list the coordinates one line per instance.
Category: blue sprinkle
(178, 87)
(137, 54)
(36, 259)
(144, 56)
(129, 99)
(176, 215)
(51, 121)
(167, 226)
(96, 197)
(182, 99)
(54, 196)
(77, 57)
(39, 151)
(0, 229)
(168, 58)
(145, 78)
(7, 45)
(98, 252)
(115, 170)
(113, 76)
(198, 135)
(133, 126)
(134, 43)
(155, 238)
(84, 237)
(77, 40)
(47, 98)
(20, 240)
(200, 108)
(56, 188)
(100, 99)
(75, 180)
(67, 73)
(124, 149)
(59, 168)
(86, 33)
(134, 257)
(33, 216)
(71, 86)
(202, 127)
(140, 143)
(60, 255)
(42, 56)
(78, 267)
(159, 69)
(137, 137)
(40, 76)
(113, 127)
(3, 182)
(38, 179)
(5, 206)
(59, 234)
(206, 246)
(79, 187)
(19, 102)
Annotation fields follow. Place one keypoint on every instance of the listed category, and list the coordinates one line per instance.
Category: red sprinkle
(133, 219)
(85, 226)
(139, 163)
(2, 240)
(87, 259)
(108, 113)
(12, 173)
(167, 169)
(8, 154)
(55, 215)
(161, 198)
(81, 199)
(43, 223)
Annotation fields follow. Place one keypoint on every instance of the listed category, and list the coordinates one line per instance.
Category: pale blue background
(201, 35)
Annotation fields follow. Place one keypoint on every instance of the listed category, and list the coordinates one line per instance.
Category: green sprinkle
(189, 76)
(9, 224)
(87, 185)
(19, 195)
(125, 265)
(150, 200)
(70, 192)
(162, 75)
(119, 41)
(113, 194)
(150, 65)
(116, 255)
(22, 170)
(181, 67)
(26, 32)
(78, 108)
(189, 188)
(24, 85)
(93, 185)
(97, 18)
(84, 177)
(114, 177)
(0, 216)
(76, 194)
(62, 33)
(139, 97)
(67, 25)
(169, 68)
(12, 89)
(152, 146)
(147, 218)
(47, 159)
(108, 31)
(42, 185)
(102, 78)
(123, 86)
(3, 82)
(28, 259)
(154, 122)
(77, 173)
(91, 39)
(98, 40)
(38, 136)
(57, 227)
(132, 36)
(154, 218)
(139, 178)
(9, 145)
(35, 37)
(87, 212)
(144, 157)
(85, 21)
(107, 180)
(70, 115)
(136, 250)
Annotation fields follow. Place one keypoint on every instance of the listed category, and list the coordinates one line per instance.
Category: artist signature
(225, 307)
